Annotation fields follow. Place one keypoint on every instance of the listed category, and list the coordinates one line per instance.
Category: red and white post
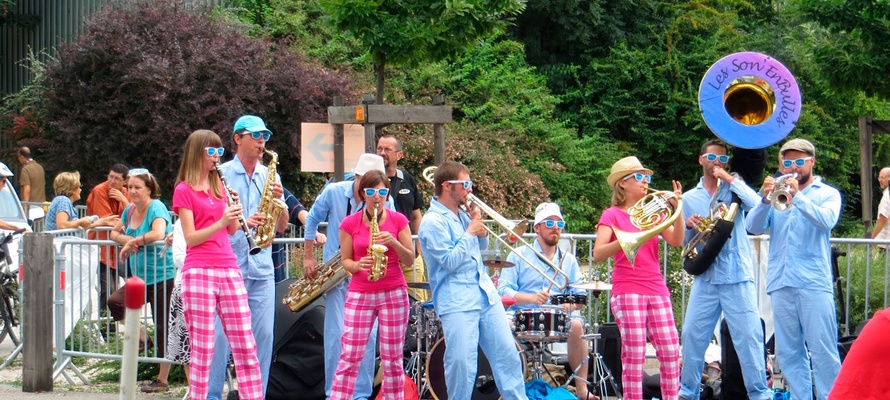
(134, 301)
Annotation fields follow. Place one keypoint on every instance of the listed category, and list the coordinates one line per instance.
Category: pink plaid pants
(390, 309)
(206, 291)
(637, 314)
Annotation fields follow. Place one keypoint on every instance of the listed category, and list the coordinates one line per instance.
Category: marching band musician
(335, 202)
(247, 175)
(531, 289)
(799, 274)
(466, 300)
(640, 298)
(727, 286)
(384, 300)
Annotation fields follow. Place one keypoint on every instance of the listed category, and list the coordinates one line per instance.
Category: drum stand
(601, 372)
(416, 366)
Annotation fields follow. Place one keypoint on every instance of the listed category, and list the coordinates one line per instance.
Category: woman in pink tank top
(640, 298)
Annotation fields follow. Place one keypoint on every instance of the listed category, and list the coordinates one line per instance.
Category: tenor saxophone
(270, 207)
(378, 270)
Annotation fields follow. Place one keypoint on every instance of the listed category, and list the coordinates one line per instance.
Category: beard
(550, 240)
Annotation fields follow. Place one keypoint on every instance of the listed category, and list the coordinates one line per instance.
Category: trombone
(514, 233)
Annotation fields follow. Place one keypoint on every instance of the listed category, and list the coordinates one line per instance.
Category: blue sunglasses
(640, 177)
(711, 157)
(799, 162)
(370, 192)
(551, 223)
(257, 135)
(467, 184)
(215, 151)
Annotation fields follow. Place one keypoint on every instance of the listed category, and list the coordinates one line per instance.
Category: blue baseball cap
(251, 123)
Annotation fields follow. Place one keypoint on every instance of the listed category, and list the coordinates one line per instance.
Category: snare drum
(485, 388)
(568, 298)
(541, 324)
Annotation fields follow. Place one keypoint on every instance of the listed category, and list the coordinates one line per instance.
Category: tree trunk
(380, 71)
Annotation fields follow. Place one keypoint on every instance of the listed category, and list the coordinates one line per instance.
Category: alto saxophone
(270, 207)
(378, 270)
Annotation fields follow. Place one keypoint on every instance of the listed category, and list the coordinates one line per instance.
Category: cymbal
(497, 264)
(419, 285)
(595, 286)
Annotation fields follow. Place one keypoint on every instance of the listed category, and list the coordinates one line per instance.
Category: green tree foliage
(406, 33)
(849, 40)
(145, 75)
(504, 108)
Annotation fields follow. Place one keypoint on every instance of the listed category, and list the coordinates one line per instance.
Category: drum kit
(535, 326)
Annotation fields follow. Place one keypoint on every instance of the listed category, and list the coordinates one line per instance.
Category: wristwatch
(93, 218)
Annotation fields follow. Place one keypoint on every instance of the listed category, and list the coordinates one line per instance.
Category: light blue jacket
(453, 257)
(799, 251)
(522, 278)
(733, 263)
(250, 193)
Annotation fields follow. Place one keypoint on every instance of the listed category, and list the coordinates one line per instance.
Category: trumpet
(780, 198)
(513, 230)
(652, 214)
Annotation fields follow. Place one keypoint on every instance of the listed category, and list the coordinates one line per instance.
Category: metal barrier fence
(82, 330)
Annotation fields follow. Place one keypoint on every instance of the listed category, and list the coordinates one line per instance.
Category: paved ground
(11, 385)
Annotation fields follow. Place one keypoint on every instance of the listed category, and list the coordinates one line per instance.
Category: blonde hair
(66, 182)
(619, 196)
(193, 159)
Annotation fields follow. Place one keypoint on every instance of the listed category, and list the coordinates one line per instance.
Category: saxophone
(269, 207)
(305, 291)
(378, 270)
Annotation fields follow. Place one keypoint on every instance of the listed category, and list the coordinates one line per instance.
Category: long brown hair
(193, 158)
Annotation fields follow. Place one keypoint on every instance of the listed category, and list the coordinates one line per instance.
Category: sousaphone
(750, 100)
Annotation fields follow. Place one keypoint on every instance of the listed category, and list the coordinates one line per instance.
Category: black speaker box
(609, 346)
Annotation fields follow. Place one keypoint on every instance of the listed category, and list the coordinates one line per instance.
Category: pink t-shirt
(215, 252)
(644, 277)
(355, 227)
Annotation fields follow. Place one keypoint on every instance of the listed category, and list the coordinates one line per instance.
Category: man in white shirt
(882, 228)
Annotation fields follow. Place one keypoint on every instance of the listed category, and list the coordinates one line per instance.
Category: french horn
(652, 215)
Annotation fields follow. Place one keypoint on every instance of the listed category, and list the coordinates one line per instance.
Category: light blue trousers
(737, 302)
(261, 299)
(465, 332)
(335, 303)
(806, 320)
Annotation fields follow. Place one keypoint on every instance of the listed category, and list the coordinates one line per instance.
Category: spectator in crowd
(108, 198)
(5, 174)
(62, 214)
(882, 228)
(33, 179)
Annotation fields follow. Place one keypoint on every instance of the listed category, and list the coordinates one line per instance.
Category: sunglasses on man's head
(258, 135)
(640, 177)
(370, 192)
(711, 157)
(551, 223)
(467, 184)
(799, 162)
(215, 151)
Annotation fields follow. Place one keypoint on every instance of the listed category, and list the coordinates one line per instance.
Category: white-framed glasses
(257, 135)
(467, 183)
(370, 192)
(640, 177)
(138, 171)
(551, 223)
(799, 162)
(215, 151)
(711, 157)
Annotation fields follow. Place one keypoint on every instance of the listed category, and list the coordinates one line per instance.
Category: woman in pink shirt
(384, 300)
(640, 298)
(211, 280)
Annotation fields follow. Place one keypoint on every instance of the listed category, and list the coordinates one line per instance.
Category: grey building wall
(60, 21)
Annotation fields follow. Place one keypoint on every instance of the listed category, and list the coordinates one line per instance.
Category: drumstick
(556, 273)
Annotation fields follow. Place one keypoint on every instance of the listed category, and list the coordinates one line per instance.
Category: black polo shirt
(405, 194)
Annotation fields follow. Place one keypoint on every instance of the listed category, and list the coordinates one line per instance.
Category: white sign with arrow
(317, 144)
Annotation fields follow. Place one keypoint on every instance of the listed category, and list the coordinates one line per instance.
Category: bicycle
(9, 294)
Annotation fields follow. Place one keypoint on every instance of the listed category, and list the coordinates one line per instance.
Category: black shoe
(155, 386)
